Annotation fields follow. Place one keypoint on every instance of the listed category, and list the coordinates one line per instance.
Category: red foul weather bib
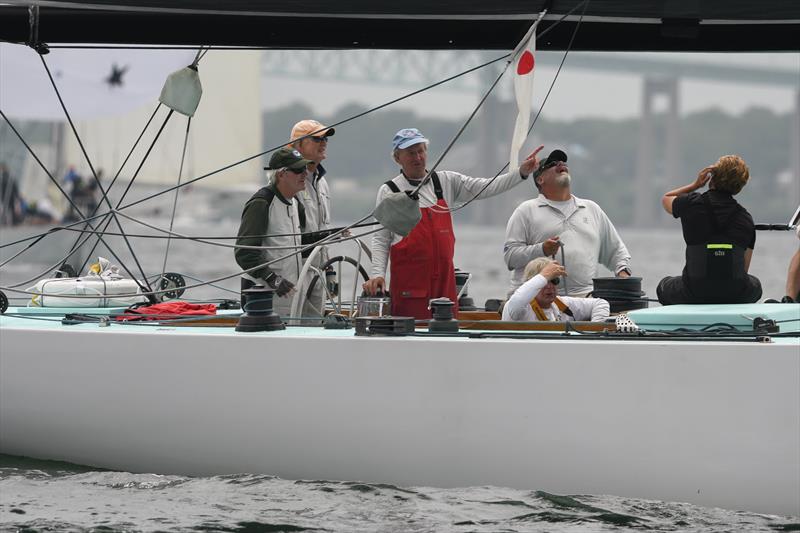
(421, 264)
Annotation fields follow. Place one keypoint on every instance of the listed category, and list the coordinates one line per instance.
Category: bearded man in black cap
(556, 218)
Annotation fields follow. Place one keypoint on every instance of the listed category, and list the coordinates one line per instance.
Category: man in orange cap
(310, 138)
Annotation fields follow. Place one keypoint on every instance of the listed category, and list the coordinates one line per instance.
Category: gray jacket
(588, 236)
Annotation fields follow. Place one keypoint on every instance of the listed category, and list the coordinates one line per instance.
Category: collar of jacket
(273, 187)
(319, 173)
(541, 201)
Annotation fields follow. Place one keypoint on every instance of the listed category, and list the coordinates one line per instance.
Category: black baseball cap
(554, 157)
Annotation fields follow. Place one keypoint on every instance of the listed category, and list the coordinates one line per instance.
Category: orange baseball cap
(306, 127)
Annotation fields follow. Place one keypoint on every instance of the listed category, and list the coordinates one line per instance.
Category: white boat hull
(714, 424)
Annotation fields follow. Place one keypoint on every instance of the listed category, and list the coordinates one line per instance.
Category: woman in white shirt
(536, 299)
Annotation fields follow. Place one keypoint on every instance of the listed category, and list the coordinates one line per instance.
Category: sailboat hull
(717, 426)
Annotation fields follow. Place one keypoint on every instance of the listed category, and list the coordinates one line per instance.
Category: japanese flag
(524, 62)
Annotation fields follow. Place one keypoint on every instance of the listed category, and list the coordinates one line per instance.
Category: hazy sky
(578, 92)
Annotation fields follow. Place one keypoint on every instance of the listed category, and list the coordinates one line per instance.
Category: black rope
(585, 4)
(354, 117)
(124, 162)
(337, 124)
(61, 189)
(94, 175)
(173, 235)
(130, 183)
(359, 115)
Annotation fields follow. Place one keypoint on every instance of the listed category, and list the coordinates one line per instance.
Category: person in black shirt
(720, 237)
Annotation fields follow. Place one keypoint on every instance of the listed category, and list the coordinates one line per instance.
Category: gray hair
(272, 174)
(536, 266)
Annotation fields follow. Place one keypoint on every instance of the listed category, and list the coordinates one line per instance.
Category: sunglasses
(555, 281)
(297, 170)
(319, 139)
(551, 164)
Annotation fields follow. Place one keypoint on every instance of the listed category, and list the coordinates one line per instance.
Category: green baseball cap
(287, 158)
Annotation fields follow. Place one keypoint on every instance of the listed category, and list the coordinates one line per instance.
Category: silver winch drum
(378, 305)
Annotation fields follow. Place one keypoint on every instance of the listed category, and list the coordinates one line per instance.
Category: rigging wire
(302, 249)
(585, 4)
(201, 53)
(173, 235)
(60, 188)
(130, 183)
(91, 167)
(180, 173)
(336, 124)
(359, 115)
(113, 181)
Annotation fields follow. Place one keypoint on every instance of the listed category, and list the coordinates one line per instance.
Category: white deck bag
(102, 286)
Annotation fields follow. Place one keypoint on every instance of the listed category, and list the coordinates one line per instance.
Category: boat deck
(680, 319)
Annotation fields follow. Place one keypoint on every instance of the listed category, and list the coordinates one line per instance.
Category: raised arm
(669, 197)
(466, 187)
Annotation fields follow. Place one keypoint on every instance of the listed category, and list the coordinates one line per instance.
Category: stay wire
(221, 278)
(354, 117)
(174, 235)
(58, 186)
(359, 115)
(94, 175)
(60, 262)
(585, 4)
(133, 178)
(177, 191)
(124, 162)
(337, 124)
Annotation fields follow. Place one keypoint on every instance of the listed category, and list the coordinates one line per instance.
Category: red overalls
(422, 263)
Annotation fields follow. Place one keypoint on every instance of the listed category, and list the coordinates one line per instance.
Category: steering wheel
(337, 262)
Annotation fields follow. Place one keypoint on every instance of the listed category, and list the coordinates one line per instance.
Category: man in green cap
(271, 219)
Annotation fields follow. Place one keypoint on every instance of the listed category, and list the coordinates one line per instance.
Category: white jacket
(518, 307)
(456, 187)
(280, 221)
(588, 236)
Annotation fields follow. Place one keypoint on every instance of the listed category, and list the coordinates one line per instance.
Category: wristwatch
(273, 280)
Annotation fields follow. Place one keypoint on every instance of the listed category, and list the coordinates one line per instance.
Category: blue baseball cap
(407, 137)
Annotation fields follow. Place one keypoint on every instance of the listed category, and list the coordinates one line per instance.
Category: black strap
(393, 186)
(266, 193)
(301, 214)
(437, 186)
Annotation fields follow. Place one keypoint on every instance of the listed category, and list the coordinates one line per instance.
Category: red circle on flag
(525, 64)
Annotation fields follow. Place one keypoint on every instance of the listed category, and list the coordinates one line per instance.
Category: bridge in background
(656, 163)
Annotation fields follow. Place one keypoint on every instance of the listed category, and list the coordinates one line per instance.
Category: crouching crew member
(536, 298)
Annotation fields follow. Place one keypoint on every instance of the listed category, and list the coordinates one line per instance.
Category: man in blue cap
(422, 261)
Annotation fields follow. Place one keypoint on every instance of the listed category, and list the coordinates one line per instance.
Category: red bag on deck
(166, 310)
